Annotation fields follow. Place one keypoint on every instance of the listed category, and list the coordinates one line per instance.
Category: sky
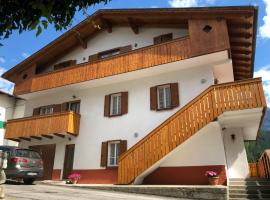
(19, 46)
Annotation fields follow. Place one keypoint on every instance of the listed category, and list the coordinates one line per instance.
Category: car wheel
(3, 177)
(28, 181)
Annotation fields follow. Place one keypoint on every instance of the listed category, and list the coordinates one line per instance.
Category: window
(164, 96)
(109, 53)
(113, 153)
(115, 104)
(46, 110)
(74, 106)
(163, 38)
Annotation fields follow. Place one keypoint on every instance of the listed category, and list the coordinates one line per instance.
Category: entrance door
(47, 153)
(68, 163)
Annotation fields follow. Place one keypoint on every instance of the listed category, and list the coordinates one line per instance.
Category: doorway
(68, 162)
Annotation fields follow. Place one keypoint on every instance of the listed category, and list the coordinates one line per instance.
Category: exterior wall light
(136, 134)
(233, 137)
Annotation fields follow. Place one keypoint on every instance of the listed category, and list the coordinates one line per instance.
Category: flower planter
(74, 181)
(213, 180)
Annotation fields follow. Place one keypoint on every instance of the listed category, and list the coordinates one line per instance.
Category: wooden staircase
(205, 108)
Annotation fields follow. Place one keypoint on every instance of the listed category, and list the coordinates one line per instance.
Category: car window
(26, 153)
(7, 151)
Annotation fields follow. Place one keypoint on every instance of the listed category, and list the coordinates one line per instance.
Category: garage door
(47, 153)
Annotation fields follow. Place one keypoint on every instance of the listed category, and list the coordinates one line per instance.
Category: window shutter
(157, 40)
(93, 58)
(36, 111)
(174, 94)
(64, 107)
(104, 154)
(107, 105)
(125, 49)
(123, 146)
(167, 37)
(56, 108)
(124, 103)
(153, 98)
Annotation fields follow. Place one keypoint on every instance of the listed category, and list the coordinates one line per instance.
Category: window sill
(164, 109)
(112, 167)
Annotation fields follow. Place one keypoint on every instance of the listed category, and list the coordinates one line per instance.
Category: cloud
(25, 55)
(264, 72)
(5, 85)
(190, 3)
(2, 59)
(265, 28)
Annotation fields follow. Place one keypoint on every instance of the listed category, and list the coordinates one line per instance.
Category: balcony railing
(188, 121)
(262, 167)
(43, 126)
(142, 58)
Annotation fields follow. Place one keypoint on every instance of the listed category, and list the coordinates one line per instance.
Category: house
(10, 107)
(144, 96)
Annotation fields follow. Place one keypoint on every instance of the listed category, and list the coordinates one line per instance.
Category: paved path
(46, 192)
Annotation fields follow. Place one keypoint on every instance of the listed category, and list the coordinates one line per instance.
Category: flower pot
(213, 180)
(74, 181)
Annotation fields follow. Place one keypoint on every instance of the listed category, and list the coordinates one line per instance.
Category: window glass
(109, 53)
(113, 152)
(115, 104)
(46, 110)
(74, 106)
(164, 96)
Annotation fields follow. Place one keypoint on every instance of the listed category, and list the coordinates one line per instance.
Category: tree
(25, 15)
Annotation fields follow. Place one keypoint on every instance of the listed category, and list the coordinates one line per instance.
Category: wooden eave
(241, 20)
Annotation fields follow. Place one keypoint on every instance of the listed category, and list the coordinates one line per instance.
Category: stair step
(249, 187)
(256, 196)
(239, 191)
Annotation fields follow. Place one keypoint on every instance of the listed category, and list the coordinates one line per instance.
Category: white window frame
(46, 110)
(118, 98)
(116, 153)
(166, 102)
(77, 106)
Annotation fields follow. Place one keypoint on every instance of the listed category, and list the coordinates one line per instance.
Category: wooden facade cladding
(261, 168)
(43, 125)
(142, 58)
(202, 110)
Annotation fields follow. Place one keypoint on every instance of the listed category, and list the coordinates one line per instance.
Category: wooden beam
(47, 136)
(59, 135)
(241, 51)
(82, 42)
(72, 134)
(36, 137)
(105, 23)
(241, 57)
(25, 138)
(133, 25)
(14, 139)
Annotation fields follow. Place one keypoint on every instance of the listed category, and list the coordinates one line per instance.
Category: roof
(241, 20)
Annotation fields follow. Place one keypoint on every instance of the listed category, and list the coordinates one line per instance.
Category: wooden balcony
(261, 169)
(202, 110)
(47, 126)
(142, 58)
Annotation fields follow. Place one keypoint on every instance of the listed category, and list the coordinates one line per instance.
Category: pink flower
(210, 174)
(75, 176)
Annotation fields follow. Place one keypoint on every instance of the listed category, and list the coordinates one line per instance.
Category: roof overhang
(241, 20)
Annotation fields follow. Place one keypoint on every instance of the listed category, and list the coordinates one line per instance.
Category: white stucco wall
(202, 149)
(237, 163)
(9, 109)
(120, 36)
(95, 128)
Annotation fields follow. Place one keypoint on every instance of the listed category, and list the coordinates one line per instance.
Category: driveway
(46, 192)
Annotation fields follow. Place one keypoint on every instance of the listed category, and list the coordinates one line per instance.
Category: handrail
(187, 121)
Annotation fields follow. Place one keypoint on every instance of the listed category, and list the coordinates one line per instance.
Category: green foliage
(25, 15)
(256, 148)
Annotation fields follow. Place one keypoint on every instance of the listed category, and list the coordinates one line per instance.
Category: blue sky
(20, 46)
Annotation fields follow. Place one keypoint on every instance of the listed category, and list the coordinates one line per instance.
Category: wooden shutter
(107, 105)
(157, 40)
(104, 154)
(167, 37)
(174, 94)
(125, 49)
(64, 106)
(93, 58)
(57, 108)
(123, 146)
(36, 111)
(153, 98)
(124, 103)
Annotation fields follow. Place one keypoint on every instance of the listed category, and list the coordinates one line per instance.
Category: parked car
(23, 164)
